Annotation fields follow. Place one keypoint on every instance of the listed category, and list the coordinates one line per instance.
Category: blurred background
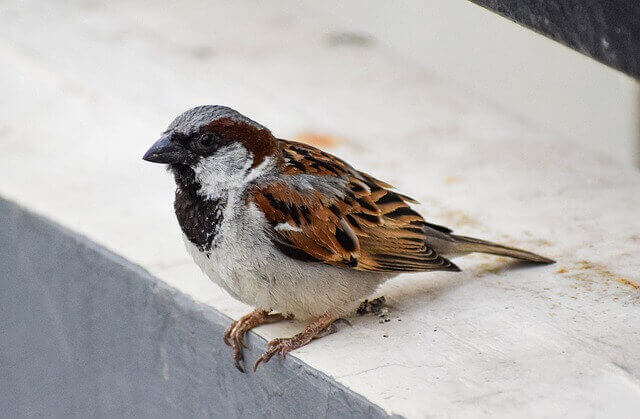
(523, 73)
(136, 53)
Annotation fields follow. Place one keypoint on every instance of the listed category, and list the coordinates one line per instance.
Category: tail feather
(469, 245)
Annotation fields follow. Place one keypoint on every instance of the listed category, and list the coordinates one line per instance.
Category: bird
(291, 230)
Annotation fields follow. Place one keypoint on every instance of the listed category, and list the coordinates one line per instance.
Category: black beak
(167, 151)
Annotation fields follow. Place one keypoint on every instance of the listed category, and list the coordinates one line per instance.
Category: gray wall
(86, 333)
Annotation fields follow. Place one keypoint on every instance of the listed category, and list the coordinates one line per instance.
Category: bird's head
(212, 140)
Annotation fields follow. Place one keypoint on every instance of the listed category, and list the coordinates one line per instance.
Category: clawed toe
(238, 357)
(227, 333)
(322, 327)
(233, 338)
(274, 343)
(273, 347)
(234, 335)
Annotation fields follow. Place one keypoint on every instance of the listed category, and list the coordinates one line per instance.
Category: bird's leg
(323, 326)
(234, 334)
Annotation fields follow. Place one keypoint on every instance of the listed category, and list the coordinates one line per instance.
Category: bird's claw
(286, 345)
(229, 332)
(281, 345)
(238, 357)
(234, 335)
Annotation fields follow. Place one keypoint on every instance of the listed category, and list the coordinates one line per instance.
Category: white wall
(496, 59)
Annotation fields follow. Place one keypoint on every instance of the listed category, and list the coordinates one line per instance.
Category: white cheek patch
(223, 171)
(228, 169)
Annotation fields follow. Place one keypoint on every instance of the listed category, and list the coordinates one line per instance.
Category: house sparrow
(292, 230)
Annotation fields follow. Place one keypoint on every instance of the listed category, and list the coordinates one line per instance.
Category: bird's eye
(207, 139)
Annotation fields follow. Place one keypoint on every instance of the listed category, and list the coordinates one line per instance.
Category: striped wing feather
(365, 227)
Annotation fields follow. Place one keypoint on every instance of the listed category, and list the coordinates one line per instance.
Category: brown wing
(363, 226)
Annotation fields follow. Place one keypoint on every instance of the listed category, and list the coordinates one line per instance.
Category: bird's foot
(234, 335)
(324, 326)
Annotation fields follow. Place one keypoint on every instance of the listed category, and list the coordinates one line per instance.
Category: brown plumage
(288, 228)
(368, 228)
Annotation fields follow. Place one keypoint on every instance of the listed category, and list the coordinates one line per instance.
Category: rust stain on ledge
(457, 218)
(495, 268)
(448, 180)
(583, 270)
(317, 139)
(628, 282)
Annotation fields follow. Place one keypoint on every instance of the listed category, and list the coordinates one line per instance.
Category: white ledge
(91, 89)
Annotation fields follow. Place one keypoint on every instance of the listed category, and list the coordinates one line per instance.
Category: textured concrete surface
(92, 85)
(86, 333)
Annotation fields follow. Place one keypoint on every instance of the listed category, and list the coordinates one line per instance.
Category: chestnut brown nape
(256, 139)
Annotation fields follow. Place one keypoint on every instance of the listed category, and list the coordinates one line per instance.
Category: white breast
(246, 264)
(250, 268)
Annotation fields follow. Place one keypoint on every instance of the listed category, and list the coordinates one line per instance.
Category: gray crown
(192, 120)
